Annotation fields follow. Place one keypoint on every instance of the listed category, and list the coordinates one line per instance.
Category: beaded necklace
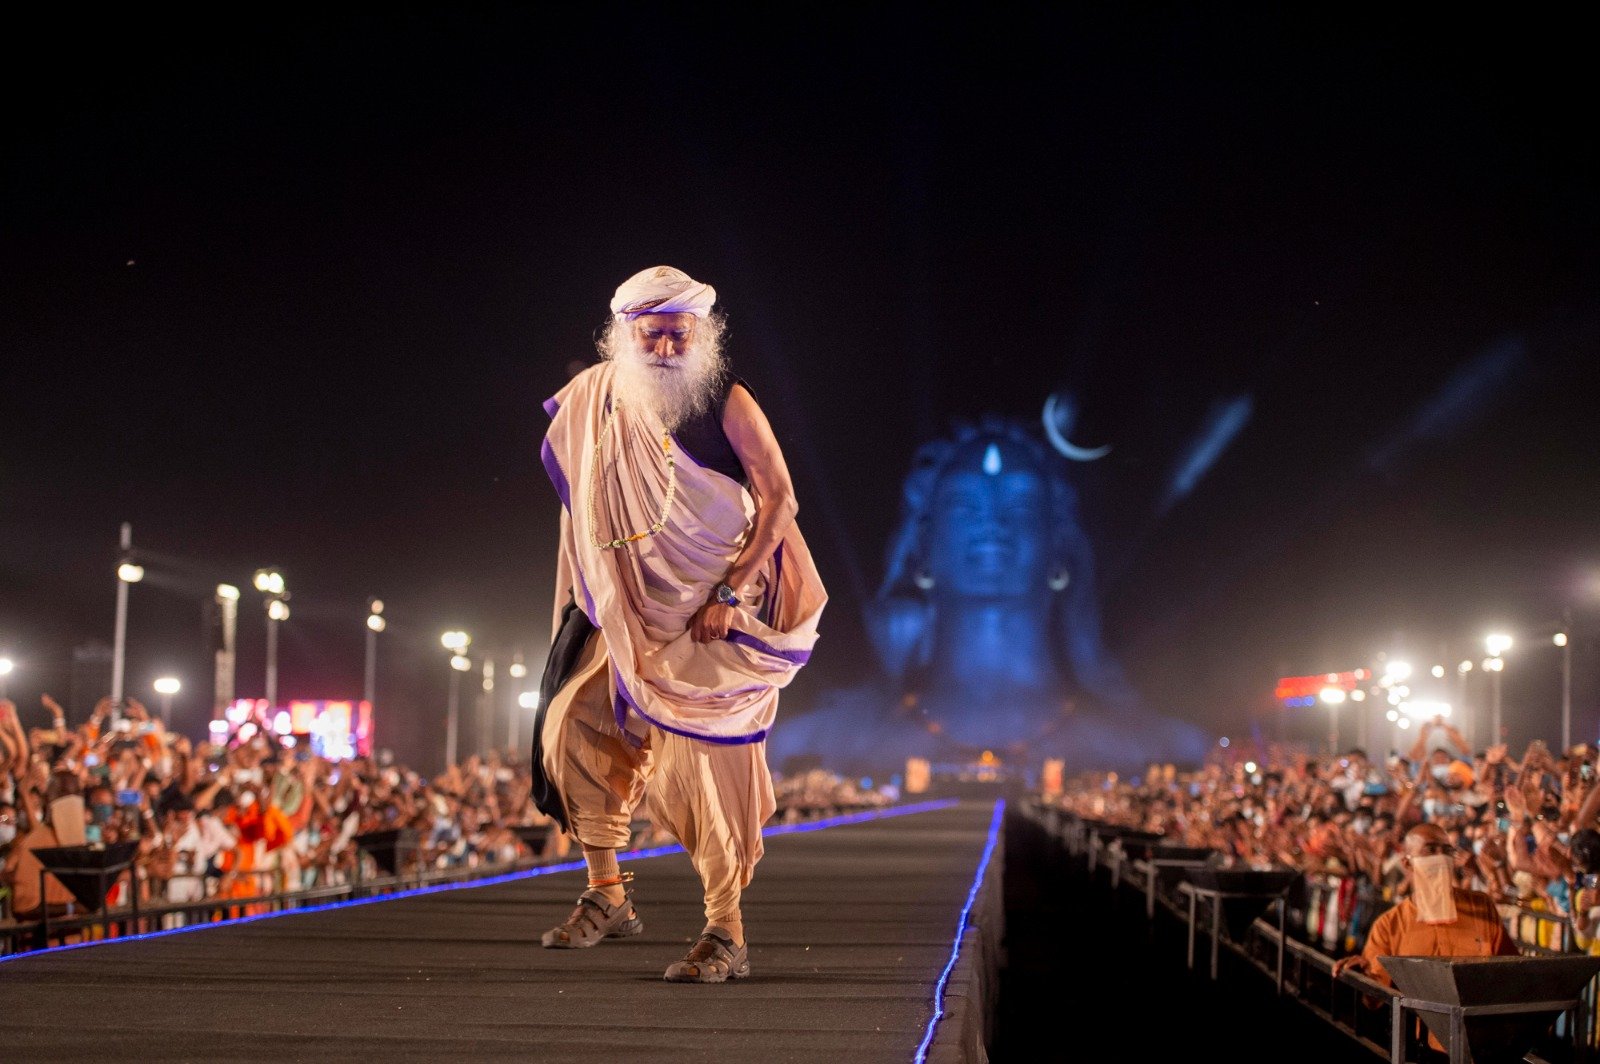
(594, 476)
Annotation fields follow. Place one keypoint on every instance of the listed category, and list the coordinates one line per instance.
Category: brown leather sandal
(594, 919)
(713, 959)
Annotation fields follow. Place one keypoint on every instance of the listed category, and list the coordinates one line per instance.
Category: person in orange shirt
(1437, 919)
(262, 829)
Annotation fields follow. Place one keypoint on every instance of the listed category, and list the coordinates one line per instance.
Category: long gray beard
(673, 393)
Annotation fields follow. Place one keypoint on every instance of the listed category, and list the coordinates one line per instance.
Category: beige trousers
(713, 798)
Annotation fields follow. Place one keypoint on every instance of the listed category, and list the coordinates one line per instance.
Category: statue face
(989, 530)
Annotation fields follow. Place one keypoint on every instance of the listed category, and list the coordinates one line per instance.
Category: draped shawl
(644, 594)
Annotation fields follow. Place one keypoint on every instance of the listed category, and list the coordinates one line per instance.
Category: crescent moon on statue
(1058, 439)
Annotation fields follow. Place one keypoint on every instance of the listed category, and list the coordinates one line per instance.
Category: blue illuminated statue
(988, 611)
(987, 624)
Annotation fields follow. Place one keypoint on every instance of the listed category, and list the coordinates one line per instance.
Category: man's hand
(711, 621)
(1355, 962)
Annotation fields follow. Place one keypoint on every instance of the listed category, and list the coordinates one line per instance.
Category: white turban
(662, 290)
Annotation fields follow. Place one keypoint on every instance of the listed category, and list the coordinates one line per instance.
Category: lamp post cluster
(273, 587)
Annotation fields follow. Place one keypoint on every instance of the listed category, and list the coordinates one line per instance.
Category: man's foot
(595, 918)
(713, 959)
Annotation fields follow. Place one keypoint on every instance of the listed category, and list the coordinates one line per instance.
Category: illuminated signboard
(1304, 690)
(336, 729)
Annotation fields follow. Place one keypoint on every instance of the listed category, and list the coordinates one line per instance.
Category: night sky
(290, 293)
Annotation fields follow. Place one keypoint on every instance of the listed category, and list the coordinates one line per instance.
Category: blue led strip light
(961, 931)
(489, 881)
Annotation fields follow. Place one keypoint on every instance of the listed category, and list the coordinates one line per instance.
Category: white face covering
(1432, 881)
(7, 833)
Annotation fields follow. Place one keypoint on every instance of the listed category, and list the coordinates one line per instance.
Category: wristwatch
(725, 595)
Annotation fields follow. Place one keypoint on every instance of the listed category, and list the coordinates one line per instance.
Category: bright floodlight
(1392, 716)
(269, 581)
(518, 670)
(228, 591)
(460, 663)
(218, 727)
(1333, 695)
(1495, 664)
(167, 685)
(456, 641)
(278, 610)
(1438, 671)
(1497, 645)
(1425, 710)
(377, 605)
(1403, 722)
(1561, 639)
(1358, 695)
(6, 665)
(130, 573)
(1397, 670)
(375, 622)
(1249, 766)
(528, 700)
(1465, 666)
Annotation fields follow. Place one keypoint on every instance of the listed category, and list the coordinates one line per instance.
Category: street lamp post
(270, 583)
(127, 573)
(375, 624)
(1564, 641)
(166, 687)
(457, 643)
(518, 671)
(1332, 697)
(486, 709)
(228, 617)
(1497, 645)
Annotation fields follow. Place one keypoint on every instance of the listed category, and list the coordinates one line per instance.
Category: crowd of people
(1521, 830)
(259, 813)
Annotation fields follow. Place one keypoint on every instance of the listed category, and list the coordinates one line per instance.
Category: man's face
(663, 338)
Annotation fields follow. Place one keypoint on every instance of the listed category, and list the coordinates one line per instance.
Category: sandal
(713, 959)
(594, 919)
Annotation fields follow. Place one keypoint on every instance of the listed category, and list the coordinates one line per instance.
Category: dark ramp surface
(850, 928)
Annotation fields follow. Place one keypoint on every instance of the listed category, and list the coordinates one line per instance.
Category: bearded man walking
(685, 600)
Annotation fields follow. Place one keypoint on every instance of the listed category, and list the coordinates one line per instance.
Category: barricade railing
(1365, 1010)
(120, 920)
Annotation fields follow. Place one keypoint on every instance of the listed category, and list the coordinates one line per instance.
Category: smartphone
(102, 771)
(1586, 771)
(91, 760)
(128, 796)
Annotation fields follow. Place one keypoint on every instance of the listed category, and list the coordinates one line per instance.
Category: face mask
(1563, 838)
(247, 798)
(7, 833)
(1430, 808)
(1431, 888)
(1477, 846)
(1440, 772)
(1361, 824)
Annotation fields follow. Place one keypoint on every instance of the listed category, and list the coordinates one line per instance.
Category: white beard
(674, 393)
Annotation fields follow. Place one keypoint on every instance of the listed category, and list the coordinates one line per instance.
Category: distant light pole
(270, 583)
(486, 709)
(166, 687)
(1332, 697)
(228, 617)
(1497, 645)
(518, 671)
(1467, 716)
(7, 667)
(457, 643)
(375, 624)
(127, 573)
(1565, 643)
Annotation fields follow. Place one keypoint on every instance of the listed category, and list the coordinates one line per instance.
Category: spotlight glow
(460, 663)
(167, 685)
(130, 573)
(1497, 645)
